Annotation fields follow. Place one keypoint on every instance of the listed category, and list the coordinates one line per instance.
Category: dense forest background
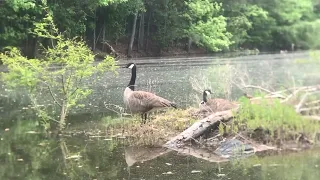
(157, 27)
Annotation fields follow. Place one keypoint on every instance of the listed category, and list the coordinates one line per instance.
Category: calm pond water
(27, 154)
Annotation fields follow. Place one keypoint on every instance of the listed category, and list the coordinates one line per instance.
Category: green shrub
(65, 85)
(280, 119)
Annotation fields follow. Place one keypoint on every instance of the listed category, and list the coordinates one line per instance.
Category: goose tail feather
(174, 105)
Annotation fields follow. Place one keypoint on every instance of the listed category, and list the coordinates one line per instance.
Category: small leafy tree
(65, 85)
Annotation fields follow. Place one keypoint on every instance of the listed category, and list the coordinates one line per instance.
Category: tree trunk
(189, 44)
(141, 33)
(63, 114)
(64, 151)
(132, 34)
(103, 34)
(94, 39)
(148, 32)
(35, 48)
(94, 32)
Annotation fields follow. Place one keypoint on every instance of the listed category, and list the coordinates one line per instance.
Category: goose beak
(122, 66)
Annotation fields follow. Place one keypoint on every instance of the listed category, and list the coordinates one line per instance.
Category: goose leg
(144, 118)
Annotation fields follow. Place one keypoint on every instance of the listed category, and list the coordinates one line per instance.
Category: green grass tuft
(280, 119)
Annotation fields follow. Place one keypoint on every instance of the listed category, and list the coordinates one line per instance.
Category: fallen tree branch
(270, 93)
(301, 88)
(113, 52)
(309, 109)
(302, 101)
(312, 103)
(198, 128)
(54, 98)
(312, 117)
(258, 87)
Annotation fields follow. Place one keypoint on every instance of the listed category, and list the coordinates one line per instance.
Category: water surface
(25, 153)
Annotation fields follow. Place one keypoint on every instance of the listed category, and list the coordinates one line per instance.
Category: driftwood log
(199, 127)
(178, 143)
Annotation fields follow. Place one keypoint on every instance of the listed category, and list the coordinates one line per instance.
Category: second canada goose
(215, 105)
(142, 101)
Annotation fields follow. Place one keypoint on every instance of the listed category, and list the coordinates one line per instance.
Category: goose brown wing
(220, 104)
(149, 100)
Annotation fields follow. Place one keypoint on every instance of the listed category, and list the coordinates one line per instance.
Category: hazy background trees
(155, 26)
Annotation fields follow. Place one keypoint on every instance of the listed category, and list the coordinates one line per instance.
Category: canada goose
(142, 101)
(215, 105)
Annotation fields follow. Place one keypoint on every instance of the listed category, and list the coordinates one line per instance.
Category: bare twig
(302, 101)
(51, 93)
(295, 91)
(258, 87)
(291, 95)
(77, 86)
(68, 83)
(272, 94)
(116, 106)
(63, 86)
(74, 91)
(36, 106)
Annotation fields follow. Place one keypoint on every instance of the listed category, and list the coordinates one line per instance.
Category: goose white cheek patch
(131, 66)
(208, 93)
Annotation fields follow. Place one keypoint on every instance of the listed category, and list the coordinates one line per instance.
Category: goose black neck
(133, 78)
(204, 96)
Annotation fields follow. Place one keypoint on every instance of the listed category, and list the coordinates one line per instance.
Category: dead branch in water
(299, 96)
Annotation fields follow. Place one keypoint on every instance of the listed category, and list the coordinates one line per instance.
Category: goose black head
(207, 91)
(205, 94)
(130, 65)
